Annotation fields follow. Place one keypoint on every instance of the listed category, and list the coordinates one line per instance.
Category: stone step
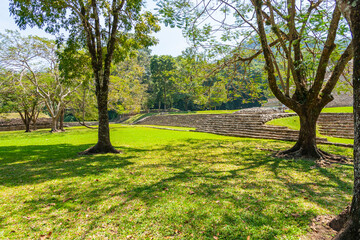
(253, 130)
(340, 130)
(284, 137)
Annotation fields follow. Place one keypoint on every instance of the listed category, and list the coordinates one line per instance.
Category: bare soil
(320, 229)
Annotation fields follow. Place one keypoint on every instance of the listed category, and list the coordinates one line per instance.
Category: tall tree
(163, 70)
(108, 28)
(297, 39)
(351, 230)
(127, 91)
(312, 92)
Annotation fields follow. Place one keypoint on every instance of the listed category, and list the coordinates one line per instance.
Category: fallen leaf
(191, 192)
(67, 199)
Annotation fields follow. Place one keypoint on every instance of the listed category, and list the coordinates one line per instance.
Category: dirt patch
(320, 229)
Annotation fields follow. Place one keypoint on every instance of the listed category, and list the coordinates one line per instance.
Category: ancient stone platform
(251, 123)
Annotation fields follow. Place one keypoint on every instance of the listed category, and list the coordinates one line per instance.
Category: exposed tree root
(348, 232)
(55, 130)
(339, 221)
(321, 158)
(84, 124)
(100, 149)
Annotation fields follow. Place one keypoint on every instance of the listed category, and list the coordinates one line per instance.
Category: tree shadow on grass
(205, 188)
(32, 164)
(264, 205)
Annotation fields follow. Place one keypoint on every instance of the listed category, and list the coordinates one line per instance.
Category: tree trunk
(26, 120)
(27, 126)
(306, 143)
(61, 118)
(34, 120)
(351, 230)
(164, 98)
(53, 125)
(103, 145)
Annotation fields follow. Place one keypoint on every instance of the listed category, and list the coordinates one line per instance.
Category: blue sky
(171, 41)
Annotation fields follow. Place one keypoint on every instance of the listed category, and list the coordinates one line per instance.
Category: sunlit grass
(165, 185)
(334, 110)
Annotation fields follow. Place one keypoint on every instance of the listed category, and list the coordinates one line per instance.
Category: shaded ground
(166, 185)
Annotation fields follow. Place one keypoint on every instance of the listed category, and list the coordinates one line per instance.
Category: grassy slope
(166, 184)
(335, 110)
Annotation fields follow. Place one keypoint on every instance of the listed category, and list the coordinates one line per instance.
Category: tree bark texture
(103, 145)
(351, 230)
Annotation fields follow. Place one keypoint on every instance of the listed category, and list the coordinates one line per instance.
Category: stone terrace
(17, 124)
(337, 124)
(246, 123)
(251, 125)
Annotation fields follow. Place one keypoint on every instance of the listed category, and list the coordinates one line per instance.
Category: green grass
(290, 122)
(165, 185)
(338, 110)
(334, 110)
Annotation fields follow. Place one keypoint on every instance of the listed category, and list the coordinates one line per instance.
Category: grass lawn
(335, 110)
(165, 185)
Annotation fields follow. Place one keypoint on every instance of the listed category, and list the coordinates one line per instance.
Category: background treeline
(39, 75)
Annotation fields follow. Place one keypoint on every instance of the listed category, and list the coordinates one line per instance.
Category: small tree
(19, 95)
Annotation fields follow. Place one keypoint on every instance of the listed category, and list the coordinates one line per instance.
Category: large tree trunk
(306, 143)
(103, 145)
(351, 230)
